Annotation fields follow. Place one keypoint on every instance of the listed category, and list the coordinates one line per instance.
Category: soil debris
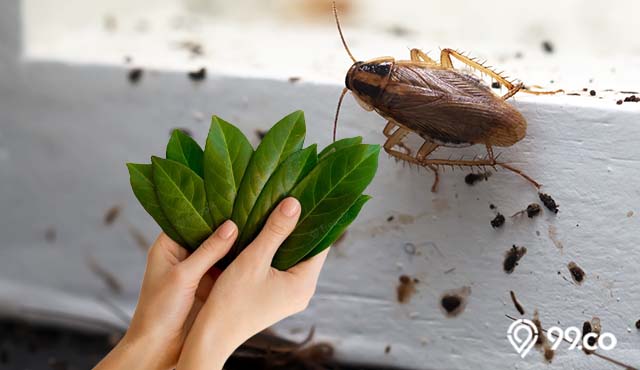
(111, 215)
(498, 221)
(473, 178)
(577, 273)
(135, 75)
(406, 288)
(198, 75)
(549, 202)
(632, 99)
(547, 46)
(516, 303)
(453, 302)
(512, 257)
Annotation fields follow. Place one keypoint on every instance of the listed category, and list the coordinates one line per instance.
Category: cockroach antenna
(335, 14)
(335, 120)
(344, 91)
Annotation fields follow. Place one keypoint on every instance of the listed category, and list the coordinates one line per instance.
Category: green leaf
(337, 145)
(285, 177)
(226, 156)
(141, 178)
(325, 194)
(182, 199)
(284, 138)
(182, 148)
(340, 227)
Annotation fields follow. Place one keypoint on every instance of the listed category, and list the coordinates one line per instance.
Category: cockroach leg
(418, 55)
(396, 139)
(424, 151)
(513, 91)
(388, 132)
(445, 61)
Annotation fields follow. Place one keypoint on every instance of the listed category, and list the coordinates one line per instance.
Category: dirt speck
(194, 48)
(473, 178)
(50, 234)
(135, 75)
(406, 288)
(110, 280)
(110, 23)
(495, 85)
(111, 215)
(453, 302)
(512, 257)
(294, 79)
(630, 214)
(387, 349)
(198, 75)
(390, 218)
(260, 134)
(516, 303)
(553, 235)
(577, 273)
(549, 202)
(139, 238)
(547, 46)
(492, 206)
(398, 30)
(498, 221)
(533, 210)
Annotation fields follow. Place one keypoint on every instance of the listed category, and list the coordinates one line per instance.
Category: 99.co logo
(523, 334)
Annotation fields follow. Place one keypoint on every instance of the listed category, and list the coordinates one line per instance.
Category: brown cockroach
(442, 105)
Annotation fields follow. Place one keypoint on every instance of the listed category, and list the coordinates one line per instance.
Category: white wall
(69, 120)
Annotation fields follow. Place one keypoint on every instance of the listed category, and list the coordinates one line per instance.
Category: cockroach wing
(449, 108)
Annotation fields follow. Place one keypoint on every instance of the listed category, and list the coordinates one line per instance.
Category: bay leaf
(284, 178)
(182, 198)
(226, 156)
(141, 178)
(325, 194)
(182, 148)
(284, 138)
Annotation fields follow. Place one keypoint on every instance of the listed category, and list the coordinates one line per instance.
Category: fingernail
(226, 230)
(290, 207)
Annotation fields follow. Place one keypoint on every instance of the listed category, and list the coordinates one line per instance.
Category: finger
(210, 251)
(280, 224)
(163, 255)
(310, 269)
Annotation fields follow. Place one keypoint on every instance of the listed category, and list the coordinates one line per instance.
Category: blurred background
(86, 86)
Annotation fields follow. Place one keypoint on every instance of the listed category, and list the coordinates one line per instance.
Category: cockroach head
(355, 67)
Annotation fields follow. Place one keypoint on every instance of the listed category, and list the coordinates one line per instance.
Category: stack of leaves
(191, 192)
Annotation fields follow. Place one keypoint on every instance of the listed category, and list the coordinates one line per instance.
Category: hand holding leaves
(193, 191)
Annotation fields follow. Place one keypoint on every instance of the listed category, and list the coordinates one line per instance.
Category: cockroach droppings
(390, 218)
(495, 85)
(261, 134)
(453, 302)
(638, 324)
(111, 215)
(549, 202)
(405, 289)
(548, 353)
(619, 102)
(198, 75)
(632, 99)
(498, 221)
(135, 75)
(547, 46)
(387, 349)
(511, 258)
(533, 210)
(592, 93)
(516, 303)
(577, 273)
(50, 234)
(473, 178)
(294, 79)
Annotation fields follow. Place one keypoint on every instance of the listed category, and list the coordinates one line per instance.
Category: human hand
(174, 288)
(250, 295)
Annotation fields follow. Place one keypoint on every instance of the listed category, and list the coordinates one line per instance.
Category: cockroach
(442, 105)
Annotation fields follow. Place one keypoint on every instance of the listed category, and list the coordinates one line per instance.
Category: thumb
(280, 224)
(210, 251)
